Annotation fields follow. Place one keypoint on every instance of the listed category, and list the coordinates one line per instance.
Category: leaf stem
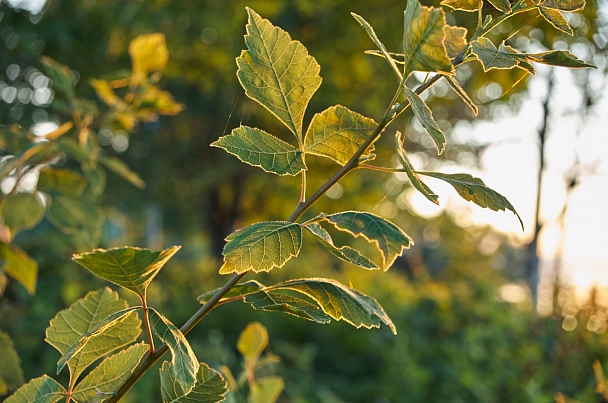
(144, 306)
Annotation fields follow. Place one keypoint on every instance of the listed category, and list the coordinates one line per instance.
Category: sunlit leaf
(60, 131)
(463, 5)
(475, 190)
(274, 301)
(462, 94)
(337, 133)
(390, 239)
(490, 57)
(564, 5)
(413, 177)
(17, 264)
(240, 289)
(339, 302)
(121, 169)
(38, 390)
(155, 101)
(184, 364)
(501, 5)
(345, 253)
(522, 60)
(252, 341)
(128, 267)
(261, 247)
(148, 54)
(258, 148)
(556, 18)
(57, 180)
(561, 58)
(105, 379)
(21, 211)
(105, 92)
(267, 389)
(372, 34)
(277, 72)
(63, 78)
(423, 37)
(210, 386)
(67, 327)
(425, 117)
(11, 374)
(455, 40)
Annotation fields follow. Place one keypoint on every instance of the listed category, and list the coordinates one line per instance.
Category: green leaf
(258, 148)
(564, 5)
(463, 5)
(475, 190)
(425, 117)
(21, 211)
(337, 133)
(38, 390)
(128, 267)
(184, 364)
(245, 288)
(78, 217)
(423, 37)
(277, 72)
(121, 169)
(261, 247)
(390, 239)
(462, 94)
(522, 60)
(413, 177)
(103, 381)
(339, 302)
(252, 341)
(372, 34)
(561, 58)
(455, 40)
(274, 301)
(556, 18)
(490, 57)
(55, 180)
(83, 316)
(267, 389)
(501, 5)
(11, 374)
(210, 386)
(17, 264)
(345, 253)
(63, 78)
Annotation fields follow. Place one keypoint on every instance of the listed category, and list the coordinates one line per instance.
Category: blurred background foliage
(459, 339)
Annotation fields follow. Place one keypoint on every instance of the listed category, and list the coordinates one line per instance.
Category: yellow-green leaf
(556, 18)
(121, 169)
(267, 389)
(210, 386)
(252, 341)
(17, 264)
(463, 5)
(128, 267)
(184, 364)
(455, 40)
(425, 117)
(390, 239)
(564, 5)
(57, 180)
(423, 38)
(11, 374)
(38, 390)
(76, 216)
(462, 94)
(490, 57)
(21, 211)
(561, 58)
(274, 301)
(245, 288)
(258, 148)
(413, 177)
(105, 379)
(277, 72)
(148, 54)
(63, 78)
(337, 133)
(501, 5)
(67, 327)
(105, 92)
(475, 190)
(261, 247)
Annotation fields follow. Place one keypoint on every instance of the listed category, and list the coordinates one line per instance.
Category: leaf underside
(210, 385)
(413, 176)
(425, 117)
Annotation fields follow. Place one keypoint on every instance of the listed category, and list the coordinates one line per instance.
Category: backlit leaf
(252, 341)
(345, 253)
(556, 18)
(267, 389)
(475, 190)
(128, 267)
(564, 5)
(17, 264)
(423, 40)
(103, 381)
(462, 94)
(561, 58)
(277, 72)
(11, 374)
(121, 169)
(56, 180)
(67, 327)
(425, 117)
(455, 40)
(210, 386)
(390, 239)
(522, 60)
(38, 390)
(258, 148)
(184, 364)
(463, 5)
(63, 78)
(274, 301)
(240, 289)
(413, 177)
(337, 133)
(501, 5)
(105, 92)
(261, 247)
(490, 57)
(148, 53)
(339, 302)
(21, 211)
